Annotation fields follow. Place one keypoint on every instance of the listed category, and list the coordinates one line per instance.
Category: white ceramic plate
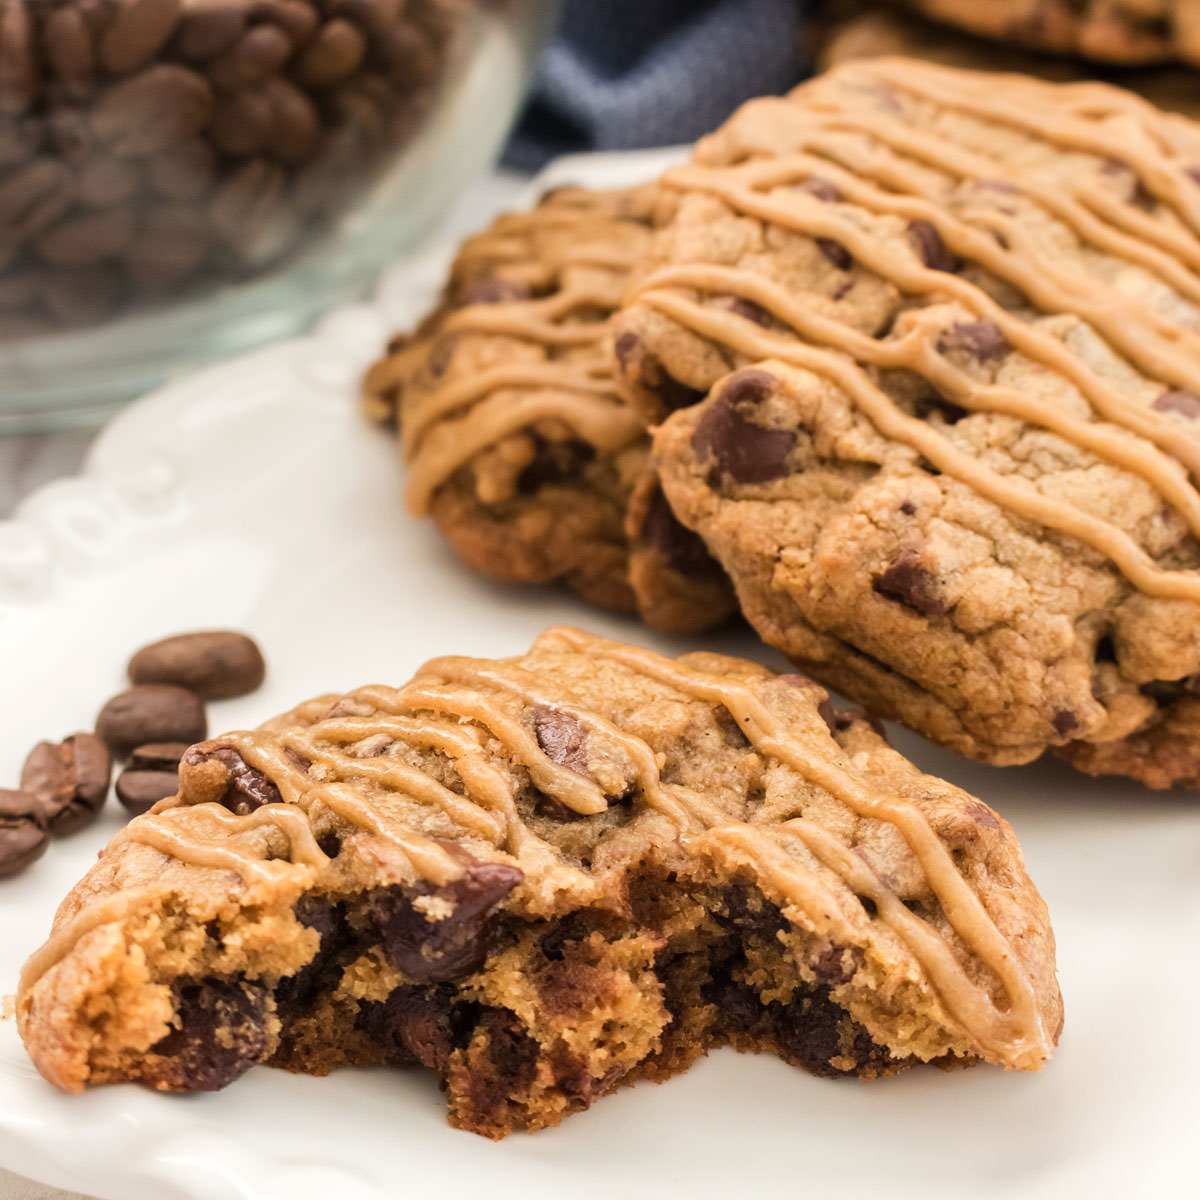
(253, 496)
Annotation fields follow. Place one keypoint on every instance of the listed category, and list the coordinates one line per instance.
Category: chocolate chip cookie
(516, 440)
(1119, 31)
(954, 473)
(542, 877)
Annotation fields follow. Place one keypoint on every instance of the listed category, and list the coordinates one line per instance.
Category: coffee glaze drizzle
(346, 758)
(891, 180)
(588, 247)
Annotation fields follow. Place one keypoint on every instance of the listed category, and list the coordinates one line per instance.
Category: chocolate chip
(419, 1024)
(1179, 401)
(671, 393)
(1164, 692)
(906, 579)
(140, 791)
(831, 967)
(841, 719)
(452, 940)
(981, 814)
(221, 1033)
(983, 341)
(931, 249)
(69, 780)
(933, 404)
(751, 311)
(738, 1003)
(556, 462)
(812, 1031)
(562, 738)
(625, 347)
(241, 788)
(683, 550)
(151, 712)
(1065, 721)
(214, 665)
(329, 920)
(23, 837)
(822, 189)
(738, 448)
(835, 253)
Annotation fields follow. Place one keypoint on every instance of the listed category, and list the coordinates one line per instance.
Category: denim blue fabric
(621, 74)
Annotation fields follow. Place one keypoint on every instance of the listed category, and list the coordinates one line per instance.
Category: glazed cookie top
(1002, 277)
(1120, 31)
(546, 780)
(515, 362)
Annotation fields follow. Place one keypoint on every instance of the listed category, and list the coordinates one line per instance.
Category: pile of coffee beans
(64, 785)
(150, 147)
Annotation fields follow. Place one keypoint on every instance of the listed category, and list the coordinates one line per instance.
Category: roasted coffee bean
(139, 791)
(221, 1031)
(18, 57)
(335, 51)
(151, 713)
(138, 31)
(70, 52)
(295, 17)
(215, 665)
(69, 780)
(436, 951)
(157, 756)
(77, 295)
(20, 139)
(259, 53)
(241, 124)
(88, 238)
(244, 206)
(907, 580)
(185, 171)
(153, 110)
(23, 837)
(295, 127)
(174, 240)
(209, 28)
(34, 197)
(104, 181)
(220, 774)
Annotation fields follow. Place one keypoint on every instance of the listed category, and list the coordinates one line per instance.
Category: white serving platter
(253, 496)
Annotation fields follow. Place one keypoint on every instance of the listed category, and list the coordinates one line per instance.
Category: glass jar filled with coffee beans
(185, 178)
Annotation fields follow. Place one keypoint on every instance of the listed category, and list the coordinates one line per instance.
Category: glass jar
(183, 179)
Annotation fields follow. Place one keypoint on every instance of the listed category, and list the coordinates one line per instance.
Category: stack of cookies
(908, 359)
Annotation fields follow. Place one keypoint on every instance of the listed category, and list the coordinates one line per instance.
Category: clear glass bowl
(184, 179)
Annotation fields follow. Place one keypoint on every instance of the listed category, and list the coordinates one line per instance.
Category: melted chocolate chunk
(931, 249)
(221, 1034)
(739, 1005)
(840, 719)
(1065, 721)
(835, 253)
(751, 311)
(672, 394)
(908, 581)
(329, 920)
(831, 967)
(822, 189)
(1164, 692)
(419, 1024)
(556, 462)
(247, 788)
(683, 550)
(982, 341)
(1179, 401)
(738, 448)
(442, 945)
(562, 738)
(491, 291)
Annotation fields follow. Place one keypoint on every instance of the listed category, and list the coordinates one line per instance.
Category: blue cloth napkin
(621, 74)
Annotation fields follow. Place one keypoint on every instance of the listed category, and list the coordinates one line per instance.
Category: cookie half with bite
(542, 877)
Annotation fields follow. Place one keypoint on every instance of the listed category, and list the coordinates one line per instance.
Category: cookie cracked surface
(542, 877)
(516, 440)
(953, 472)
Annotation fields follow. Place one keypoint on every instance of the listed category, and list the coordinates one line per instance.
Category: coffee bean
(335, 52)
(20, 139)
(139, 791)
(18, 58)
(23, 837)
(216, 665)
(151, 713)
(209, 28)
(104, 181)
(157, 756)
(172, 243)
(139, 30)
(241, 124)
(244, 206)
(80, 294)
(153, 110)
(562, 738)
(88, 238)
(430, 951)
(296, 18)
(34, 197)
(69, 779)
(295, 127)
(183, 172)
(259, 53)
(70, 52)
(220, 775)
(906, 579)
